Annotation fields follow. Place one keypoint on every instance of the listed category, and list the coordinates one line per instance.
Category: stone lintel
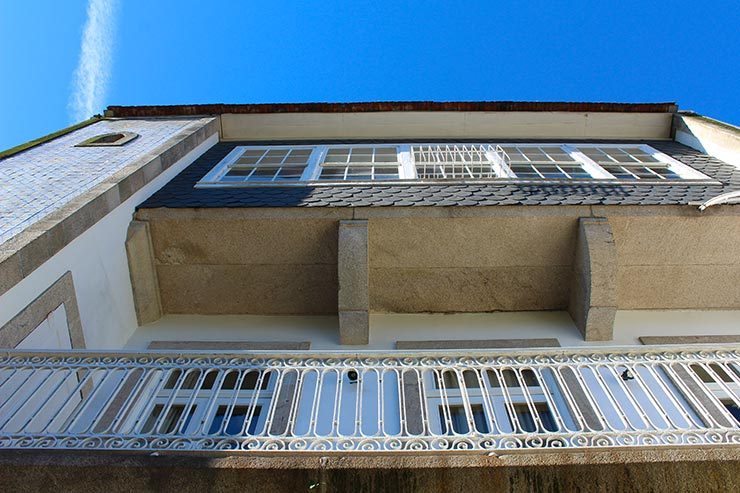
(143, 273)
(593, 293)
(352, 270)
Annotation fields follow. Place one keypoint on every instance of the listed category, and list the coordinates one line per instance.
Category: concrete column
(354, 300)
(143, 273)
(593, 293)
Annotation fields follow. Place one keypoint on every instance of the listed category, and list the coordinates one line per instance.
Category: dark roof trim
(217, 109)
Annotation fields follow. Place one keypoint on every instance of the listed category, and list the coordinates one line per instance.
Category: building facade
(405, 296)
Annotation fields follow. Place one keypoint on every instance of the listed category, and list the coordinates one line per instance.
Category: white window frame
(684, 171)
(408, 169)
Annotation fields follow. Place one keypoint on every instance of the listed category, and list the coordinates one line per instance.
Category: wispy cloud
(94, 67)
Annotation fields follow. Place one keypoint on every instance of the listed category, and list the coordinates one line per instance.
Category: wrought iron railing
(370, 402)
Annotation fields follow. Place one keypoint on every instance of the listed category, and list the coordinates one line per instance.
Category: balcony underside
(371, 402)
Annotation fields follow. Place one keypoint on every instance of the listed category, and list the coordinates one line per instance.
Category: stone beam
(593, 292)
(143, 273)
(353, 299)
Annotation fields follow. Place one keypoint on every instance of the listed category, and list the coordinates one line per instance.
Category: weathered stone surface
(144, 282)
(478, 344)
(679, 286)
(352, 265)
(593, 293)
(233, 241)
(526, 241)
(62, 292)
(248, 289)
(482, 289)
(703, 339)
(354, 327)
(676, 471)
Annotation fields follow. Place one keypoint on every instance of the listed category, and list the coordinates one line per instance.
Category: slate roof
(180, 192)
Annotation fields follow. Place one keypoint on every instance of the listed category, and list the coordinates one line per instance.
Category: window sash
(448, 162)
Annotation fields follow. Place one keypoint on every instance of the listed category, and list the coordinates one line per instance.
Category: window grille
(458, 162)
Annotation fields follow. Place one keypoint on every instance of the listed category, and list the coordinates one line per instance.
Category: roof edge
(46, 138)
(378, 106)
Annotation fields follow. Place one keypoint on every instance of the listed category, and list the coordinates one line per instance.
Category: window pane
(337, 156)
(526, 421)
(458, 419)
(732, 408)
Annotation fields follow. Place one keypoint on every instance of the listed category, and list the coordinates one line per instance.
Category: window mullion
(589, 165)
(407, 168)
(313, 168)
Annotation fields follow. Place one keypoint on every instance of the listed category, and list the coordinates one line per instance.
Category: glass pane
(702, 374)
(479, 418)
(576, 172)
(458, 419)
(290, 173)
(240, 172)
(332, 173)
(386, 172)
(274, 156)
(621, 156)
(386, 155)
(619, 172)
(733, 409)
(339, 155)
(470, 378)
(667, 173)
(530, 379)
(526, 421)
(546, 417)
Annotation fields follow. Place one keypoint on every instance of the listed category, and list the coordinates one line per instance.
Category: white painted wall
(52, 333)
(97, 260)
(386, 329)
(712, 139)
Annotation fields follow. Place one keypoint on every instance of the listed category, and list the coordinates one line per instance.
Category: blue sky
(187, 51)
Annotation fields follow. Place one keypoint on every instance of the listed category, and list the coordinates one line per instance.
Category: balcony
(441, 402)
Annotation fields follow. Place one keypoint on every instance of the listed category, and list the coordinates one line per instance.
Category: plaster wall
(97, 260)
(710, 136)
(323, 331)
(52, 333)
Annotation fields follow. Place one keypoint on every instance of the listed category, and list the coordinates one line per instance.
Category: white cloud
(94, 67)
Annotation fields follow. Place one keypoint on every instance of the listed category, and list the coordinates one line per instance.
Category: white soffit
(446, 125)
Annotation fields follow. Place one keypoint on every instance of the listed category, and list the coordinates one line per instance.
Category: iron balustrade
(412, 402)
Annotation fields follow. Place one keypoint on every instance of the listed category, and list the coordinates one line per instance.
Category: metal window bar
(153, 401)
(459, 161)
